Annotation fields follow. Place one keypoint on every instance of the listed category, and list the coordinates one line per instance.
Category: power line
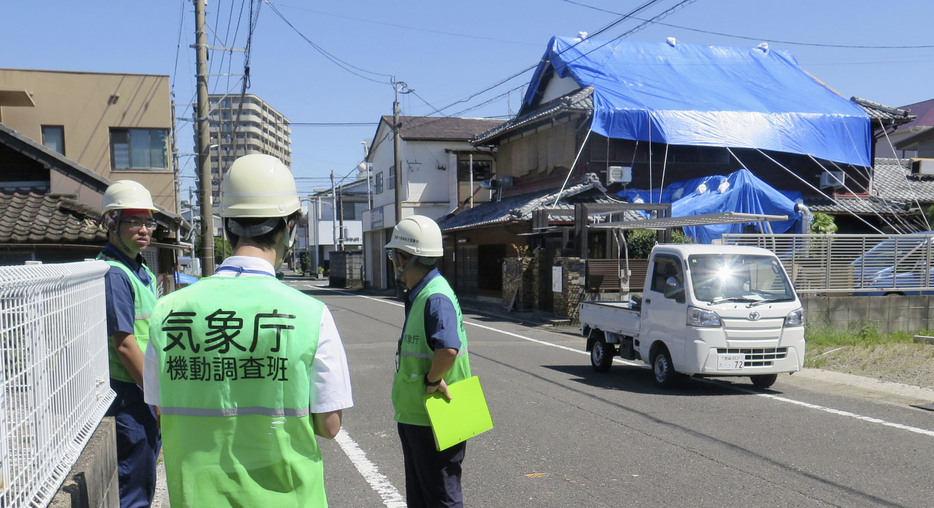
(335, 60)
(622, 18)
(408, 27)
(761, 39)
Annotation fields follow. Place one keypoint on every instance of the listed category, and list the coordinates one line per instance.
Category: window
(139, 149)
(53, 137)
(482, 170)
(353, 210)
(378, 186)
(392, 177)
(665, 267)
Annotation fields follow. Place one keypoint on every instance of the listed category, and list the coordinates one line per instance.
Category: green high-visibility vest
(235, 365)
(408, 384)
(144, 299)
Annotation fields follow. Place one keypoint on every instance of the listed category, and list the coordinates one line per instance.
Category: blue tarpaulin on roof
(698, 95)
(740, 191)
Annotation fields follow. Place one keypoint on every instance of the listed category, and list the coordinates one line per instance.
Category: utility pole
(340, 206)
(366, 169)
(397, 142)
(204, 141)
(333, 211)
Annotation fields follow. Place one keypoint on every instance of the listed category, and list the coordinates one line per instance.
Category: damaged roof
(579, 101)
(521, 207)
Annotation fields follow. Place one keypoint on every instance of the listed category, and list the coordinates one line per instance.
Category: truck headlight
(795, 318)
(702, 318)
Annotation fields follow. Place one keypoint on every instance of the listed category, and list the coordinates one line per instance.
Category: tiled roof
(895, 191)
(520, 207)
(884, 114)
(579, 100)
(853, 204)
(49, 218)
(894, 181)
(442, 128)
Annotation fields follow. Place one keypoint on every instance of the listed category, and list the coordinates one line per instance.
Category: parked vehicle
(897, 265)
(706, 310)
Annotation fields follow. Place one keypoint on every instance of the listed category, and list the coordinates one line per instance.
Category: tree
(823, 224)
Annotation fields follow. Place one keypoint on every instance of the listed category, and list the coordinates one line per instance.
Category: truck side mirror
(674, 289)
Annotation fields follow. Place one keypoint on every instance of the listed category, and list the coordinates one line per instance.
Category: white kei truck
(706, 310)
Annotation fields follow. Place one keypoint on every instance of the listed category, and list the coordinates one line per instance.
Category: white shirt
(330, 377)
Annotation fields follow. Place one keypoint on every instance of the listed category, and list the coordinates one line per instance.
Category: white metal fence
(54, 381)
(857, 264)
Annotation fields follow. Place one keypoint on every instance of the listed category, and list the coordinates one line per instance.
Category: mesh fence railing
(857, 264)
(54, 386)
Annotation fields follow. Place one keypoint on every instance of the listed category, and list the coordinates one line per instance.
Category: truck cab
(707, 310)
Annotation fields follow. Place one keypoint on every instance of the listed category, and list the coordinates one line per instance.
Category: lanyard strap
(240, 271)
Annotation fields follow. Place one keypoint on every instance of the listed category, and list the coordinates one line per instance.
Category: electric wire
(335, 60)
(763, 39)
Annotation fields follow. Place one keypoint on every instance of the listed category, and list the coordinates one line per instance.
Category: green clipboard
(461, 418)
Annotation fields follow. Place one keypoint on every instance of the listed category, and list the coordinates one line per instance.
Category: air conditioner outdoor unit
(922, 166)
(832, 179)
(618, 174)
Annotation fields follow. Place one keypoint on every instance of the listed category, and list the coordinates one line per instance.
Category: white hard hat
(418, 235)
(257, 186)
(127, 195)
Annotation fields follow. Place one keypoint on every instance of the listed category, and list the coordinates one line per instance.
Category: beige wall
(87, 105)
(538, 154)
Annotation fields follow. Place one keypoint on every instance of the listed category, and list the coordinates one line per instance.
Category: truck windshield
(745, 278)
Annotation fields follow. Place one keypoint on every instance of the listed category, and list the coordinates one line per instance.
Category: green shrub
(641, 241)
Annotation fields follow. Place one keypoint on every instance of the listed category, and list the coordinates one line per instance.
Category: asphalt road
(565, 435)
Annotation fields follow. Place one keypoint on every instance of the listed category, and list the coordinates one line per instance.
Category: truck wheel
(601, 354)
(663, 369)
(763, 380)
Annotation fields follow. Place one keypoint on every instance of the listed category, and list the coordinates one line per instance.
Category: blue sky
(331, 62)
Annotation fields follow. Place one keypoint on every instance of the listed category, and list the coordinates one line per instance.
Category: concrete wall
(887, 313)
(93, 479)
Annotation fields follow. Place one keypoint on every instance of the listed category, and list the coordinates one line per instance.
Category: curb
(912, 392)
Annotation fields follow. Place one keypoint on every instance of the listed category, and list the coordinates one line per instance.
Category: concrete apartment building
(240, 127)
(117, 125)
(68, 134)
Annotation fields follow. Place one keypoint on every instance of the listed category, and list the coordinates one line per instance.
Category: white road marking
(378, 482)
(831, 410)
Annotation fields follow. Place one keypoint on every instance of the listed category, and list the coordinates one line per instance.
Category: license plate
(731, 361)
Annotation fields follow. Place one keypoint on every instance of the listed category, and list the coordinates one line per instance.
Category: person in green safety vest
(431, 353)
(246, 369)
(130, 289)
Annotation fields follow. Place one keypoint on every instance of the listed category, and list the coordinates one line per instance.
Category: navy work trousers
(138, 444)
(432, 478)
